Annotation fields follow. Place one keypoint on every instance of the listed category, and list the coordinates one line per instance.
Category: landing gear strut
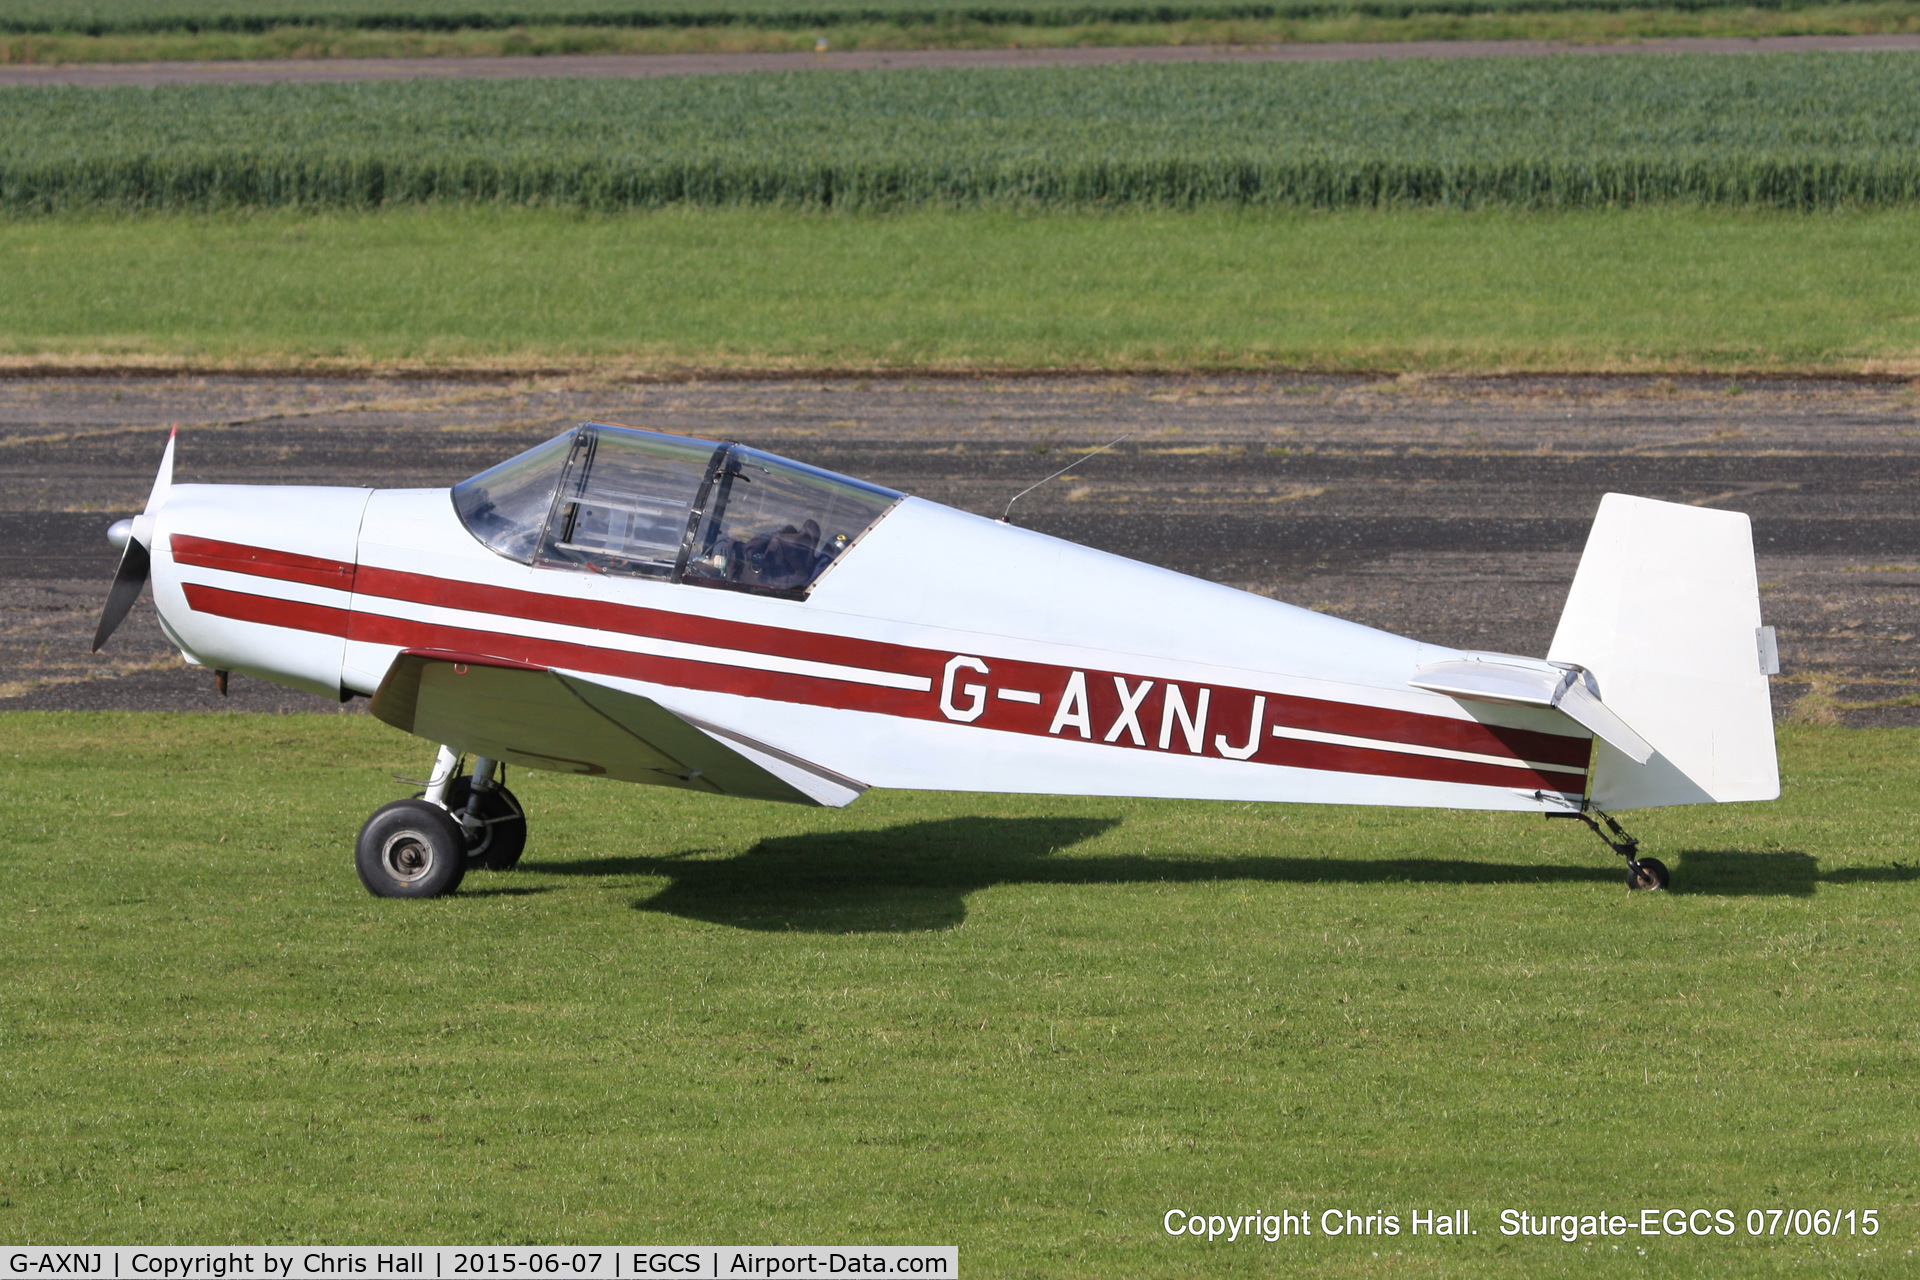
(424, 847)
(495, 824)
(1642, 873)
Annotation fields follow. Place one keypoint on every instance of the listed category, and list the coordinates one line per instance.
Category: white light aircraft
(701, 614)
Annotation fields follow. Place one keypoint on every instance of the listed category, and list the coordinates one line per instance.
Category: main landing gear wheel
(502, 835)
(410, 849)
(1647, 873)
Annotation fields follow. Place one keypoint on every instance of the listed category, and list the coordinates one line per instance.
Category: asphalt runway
(634, 66)
(1452, 510)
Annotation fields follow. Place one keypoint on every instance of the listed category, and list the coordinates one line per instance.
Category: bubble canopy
(615, 500)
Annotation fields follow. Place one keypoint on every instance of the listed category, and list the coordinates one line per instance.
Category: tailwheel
(495, 827)
(1646, 873)
(1642, 873)
(410, 849)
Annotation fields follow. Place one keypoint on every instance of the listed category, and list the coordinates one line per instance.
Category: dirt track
(601, 66)
(1449, 510)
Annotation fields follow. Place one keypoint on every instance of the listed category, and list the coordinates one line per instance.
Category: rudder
(1665, 614)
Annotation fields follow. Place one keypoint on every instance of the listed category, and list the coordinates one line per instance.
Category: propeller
(135, 539)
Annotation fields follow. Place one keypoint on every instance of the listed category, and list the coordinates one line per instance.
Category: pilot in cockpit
(783, 560)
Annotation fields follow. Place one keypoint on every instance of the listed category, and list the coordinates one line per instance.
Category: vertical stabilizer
(1665, 614)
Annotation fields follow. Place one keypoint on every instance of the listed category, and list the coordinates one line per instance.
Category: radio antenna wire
(1056, 475)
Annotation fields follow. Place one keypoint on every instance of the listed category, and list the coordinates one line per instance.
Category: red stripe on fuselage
(1322, 715)
(850, 696)
(1229, 711)
(655, 624)
(685, 673)
(271, 611)
(261, 562)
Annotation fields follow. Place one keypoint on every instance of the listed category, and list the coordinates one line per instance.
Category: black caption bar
(517, 1262)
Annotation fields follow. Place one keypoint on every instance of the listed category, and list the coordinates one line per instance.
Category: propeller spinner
(135, 539)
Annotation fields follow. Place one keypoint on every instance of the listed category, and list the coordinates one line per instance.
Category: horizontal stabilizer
(1585, 706)
(544, 719)
(1512, 680)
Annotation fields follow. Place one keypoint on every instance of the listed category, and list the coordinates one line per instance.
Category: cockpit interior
(610, 499)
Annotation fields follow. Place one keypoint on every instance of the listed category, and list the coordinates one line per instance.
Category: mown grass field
(1026, 1026)
(1787, 131)
(1649, 289)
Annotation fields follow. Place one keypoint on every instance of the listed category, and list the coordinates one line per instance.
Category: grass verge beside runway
(1030, 1027)
(1423, 290)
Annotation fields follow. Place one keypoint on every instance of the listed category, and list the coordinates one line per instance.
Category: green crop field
(1794, 131)
(107, 16)
(748, 31)
(1029, 1027)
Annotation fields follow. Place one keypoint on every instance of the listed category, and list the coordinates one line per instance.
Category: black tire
(1647, 873)
(410, 849)
(504, 838)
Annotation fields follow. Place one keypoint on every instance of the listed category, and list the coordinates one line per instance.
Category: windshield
(641, 503)
(506, 506)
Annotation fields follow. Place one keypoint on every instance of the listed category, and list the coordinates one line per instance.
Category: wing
(540, 718)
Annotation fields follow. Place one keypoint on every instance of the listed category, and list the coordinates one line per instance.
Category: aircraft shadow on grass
(916, 876)
(1741, 873)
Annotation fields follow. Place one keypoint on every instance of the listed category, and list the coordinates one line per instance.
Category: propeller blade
(136, 561)
(127, 581)
(163, 483)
